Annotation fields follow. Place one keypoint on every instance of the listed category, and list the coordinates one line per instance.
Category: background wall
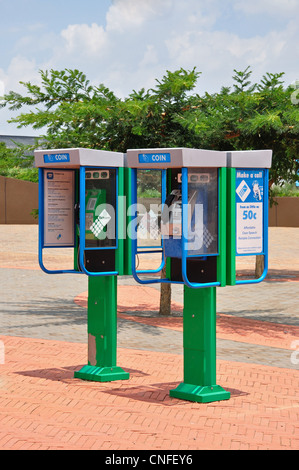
(17, 200)
(286, 213)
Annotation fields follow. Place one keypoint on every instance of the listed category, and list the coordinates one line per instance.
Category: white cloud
(20, 69)
(140, 39)
(2, 87)
(217, 53)
(126, 15)
(270, 7)
(84, 39)
(150, 57)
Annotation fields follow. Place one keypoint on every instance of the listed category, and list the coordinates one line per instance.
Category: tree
(248, 116)
(77, 114)
(17, 163)
(251, 116)
(245, 117)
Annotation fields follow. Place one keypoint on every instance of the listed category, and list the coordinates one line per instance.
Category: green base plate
(101, 374)
(200, 394)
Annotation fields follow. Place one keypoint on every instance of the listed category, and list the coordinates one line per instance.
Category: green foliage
(34, 213)
(244, 116)
(258, 116)
(148, 193)
(242, 81)
(148, 184)
(286, 190)
(17, 163)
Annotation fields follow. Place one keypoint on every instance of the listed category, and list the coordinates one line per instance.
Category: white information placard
(59, 200)
(249, 212)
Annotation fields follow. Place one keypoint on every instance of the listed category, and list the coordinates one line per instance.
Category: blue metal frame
(41, 224)
(204, 255)
(265, 233)
(82, 247)
(143, 249)
(184, 241)
(193, 285)
(134, 237)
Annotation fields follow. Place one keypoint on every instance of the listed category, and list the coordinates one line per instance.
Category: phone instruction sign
(59, 201)
(249, 211)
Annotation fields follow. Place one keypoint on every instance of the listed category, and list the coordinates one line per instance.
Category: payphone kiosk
(192, 225)
(82, 206)
(247, 210)
(192, 214)
(79, 192)
(213, 208)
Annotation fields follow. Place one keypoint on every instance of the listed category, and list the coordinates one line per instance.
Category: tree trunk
(165, 296)
(259, 265)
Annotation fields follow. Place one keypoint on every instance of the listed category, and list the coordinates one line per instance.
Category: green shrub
(286, 190)
(17, 163)
(26, 174)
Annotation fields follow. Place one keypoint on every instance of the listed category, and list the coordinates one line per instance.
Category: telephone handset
(173, 197)
(95, 202)
(172, 212)
(92, 200)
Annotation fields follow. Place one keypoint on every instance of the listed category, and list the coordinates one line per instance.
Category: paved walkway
(43, 338)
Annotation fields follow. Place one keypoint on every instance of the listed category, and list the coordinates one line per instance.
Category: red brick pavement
(43, 407)
(228, 327)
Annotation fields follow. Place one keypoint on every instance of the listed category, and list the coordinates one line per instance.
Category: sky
(128, 44)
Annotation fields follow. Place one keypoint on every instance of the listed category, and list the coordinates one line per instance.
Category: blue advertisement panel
(249, 211)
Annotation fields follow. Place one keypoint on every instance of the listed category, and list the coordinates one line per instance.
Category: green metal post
(102, 332)
(221, 262)
(200, 348)
(199, 325)
(127, 254)
(231, 227)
